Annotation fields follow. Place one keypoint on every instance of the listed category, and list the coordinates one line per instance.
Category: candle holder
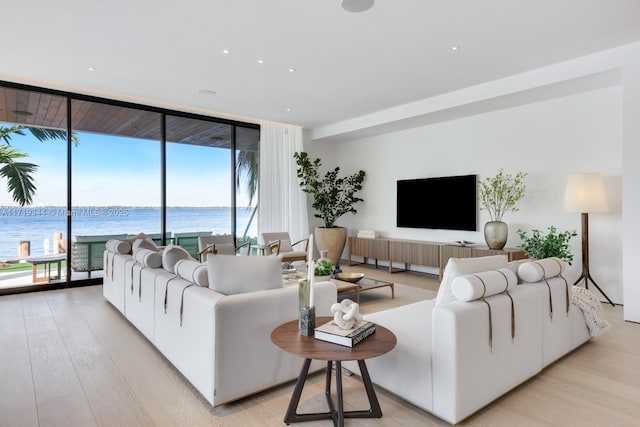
(307, 321)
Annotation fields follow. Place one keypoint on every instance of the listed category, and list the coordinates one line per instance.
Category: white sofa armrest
(468, 372)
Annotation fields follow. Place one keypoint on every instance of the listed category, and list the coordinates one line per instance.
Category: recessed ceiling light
(287, 109)
(357, 5)
(91, 69)
(260, 61)
(23, 112)
(207, 92)
(226, 51)
(292, 70)
(455, 48)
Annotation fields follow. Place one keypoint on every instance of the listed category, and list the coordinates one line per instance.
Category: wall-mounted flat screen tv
(448, 203)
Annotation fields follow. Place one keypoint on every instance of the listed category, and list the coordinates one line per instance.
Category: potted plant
(552, 244)
(499, 195)
(333, 196)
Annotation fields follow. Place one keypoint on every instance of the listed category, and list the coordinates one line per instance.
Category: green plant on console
(332, 196)
(501, 193)
(552, 244)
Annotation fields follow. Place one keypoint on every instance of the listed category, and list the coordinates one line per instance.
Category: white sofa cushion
(148, 258)
(171, 255)
(193, 271)
(475, 286)
(534, 271)
(229, 274)
(118, 246)
(461, 266)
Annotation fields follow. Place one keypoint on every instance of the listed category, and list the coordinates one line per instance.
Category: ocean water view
(38, 225)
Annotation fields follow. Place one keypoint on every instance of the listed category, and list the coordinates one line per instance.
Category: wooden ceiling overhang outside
(38, 109)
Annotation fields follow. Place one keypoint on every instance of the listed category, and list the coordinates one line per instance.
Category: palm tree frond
(20, 181)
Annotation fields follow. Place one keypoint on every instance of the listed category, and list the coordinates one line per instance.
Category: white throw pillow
(193, 271)
(145, 243)
(461, 266)
(148, 258)
(471, 287)
(171, 255)
(534, 271)
(230, 274)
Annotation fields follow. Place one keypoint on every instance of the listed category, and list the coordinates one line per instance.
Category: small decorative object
(307, 312)
(324, 266)
(305, 294)
(346, 314)
(350, 277)
(499, 195)
(553, 244)
(336, 271)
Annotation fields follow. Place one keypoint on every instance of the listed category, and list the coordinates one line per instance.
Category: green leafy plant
(323, 267)
(501, 193)
(552, 244)
(332, 196)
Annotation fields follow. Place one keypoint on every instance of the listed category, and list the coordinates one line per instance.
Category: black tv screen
(448, 203)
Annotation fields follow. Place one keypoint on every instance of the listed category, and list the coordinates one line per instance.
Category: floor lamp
(585, 194)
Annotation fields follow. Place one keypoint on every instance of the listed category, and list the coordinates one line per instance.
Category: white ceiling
(163, 52)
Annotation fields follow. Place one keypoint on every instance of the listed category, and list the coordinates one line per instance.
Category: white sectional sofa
(212, 320)
(458, 352)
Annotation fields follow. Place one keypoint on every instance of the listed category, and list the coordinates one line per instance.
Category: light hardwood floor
(69, 358)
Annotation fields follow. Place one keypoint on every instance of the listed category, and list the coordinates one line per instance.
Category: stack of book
(348, 337)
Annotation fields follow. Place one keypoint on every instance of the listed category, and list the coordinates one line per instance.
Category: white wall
(631, 223)
(548, 140)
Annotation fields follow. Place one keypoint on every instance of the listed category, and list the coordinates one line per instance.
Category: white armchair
(280, 243)
(220, 244)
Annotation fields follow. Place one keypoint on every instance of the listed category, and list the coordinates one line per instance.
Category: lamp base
(588, 278)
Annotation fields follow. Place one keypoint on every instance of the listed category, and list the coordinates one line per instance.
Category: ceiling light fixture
(23, 112)
(260, 61)
(357, 6)
(454, 48)
(292, 70)
(226, 51)
(207, 92)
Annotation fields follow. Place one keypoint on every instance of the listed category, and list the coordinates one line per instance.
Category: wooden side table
(287, 337)
(47, 260)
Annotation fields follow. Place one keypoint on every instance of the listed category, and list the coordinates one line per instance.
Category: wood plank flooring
(68, 358)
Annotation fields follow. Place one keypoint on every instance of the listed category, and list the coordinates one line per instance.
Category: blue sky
(111, 170)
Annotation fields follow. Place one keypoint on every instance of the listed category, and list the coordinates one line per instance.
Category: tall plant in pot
(498, 195)
(333, 196)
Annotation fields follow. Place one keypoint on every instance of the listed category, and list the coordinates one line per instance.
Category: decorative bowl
(350, 277)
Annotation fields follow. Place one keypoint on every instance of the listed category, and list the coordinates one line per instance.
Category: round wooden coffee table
(287, 337)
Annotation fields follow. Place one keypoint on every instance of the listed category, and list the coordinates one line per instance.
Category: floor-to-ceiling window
(246, 176)
(115, 180)
(33, 186)
(199, 181)
(123, 169)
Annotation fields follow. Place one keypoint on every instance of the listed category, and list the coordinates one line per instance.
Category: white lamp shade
(585, 194)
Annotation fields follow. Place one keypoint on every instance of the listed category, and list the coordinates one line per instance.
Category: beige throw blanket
(586, 301)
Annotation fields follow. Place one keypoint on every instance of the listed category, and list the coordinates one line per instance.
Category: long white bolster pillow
(534, 271)
(471, 287)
